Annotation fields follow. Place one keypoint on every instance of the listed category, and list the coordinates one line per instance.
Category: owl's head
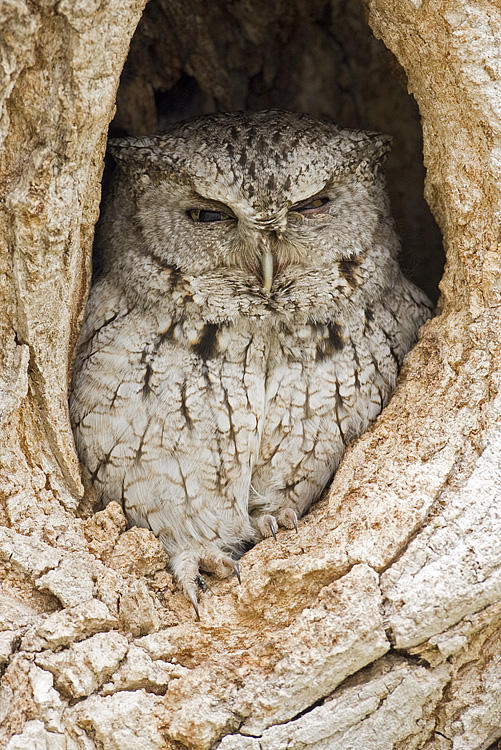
(262, 198)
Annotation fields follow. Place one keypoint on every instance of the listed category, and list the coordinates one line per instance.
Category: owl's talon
(272, 528)
(192, 596)
(236, 570)
(266, 525)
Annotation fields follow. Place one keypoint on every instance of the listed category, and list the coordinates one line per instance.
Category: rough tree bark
(378, 626)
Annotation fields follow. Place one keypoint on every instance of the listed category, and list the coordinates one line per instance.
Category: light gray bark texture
(378, 625)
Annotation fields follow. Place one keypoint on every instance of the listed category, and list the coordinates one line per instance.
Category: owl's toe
(287, 517)
(220, 564)
(185, 566)
(266, 525)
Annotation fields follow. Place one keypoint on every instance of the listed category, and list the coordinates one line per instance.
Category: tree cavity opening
(314, 56)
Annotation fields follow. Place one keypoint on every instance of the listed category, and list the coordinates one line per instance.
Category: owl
(249, 320)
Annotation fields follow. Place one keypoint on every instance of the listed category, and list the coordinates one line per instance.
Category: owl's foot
(219, 564)
(287, 517)
(267, 525)
(185, 567)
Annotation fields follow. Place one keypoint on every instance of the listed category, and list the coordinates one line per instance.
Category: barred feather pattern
(213, 402)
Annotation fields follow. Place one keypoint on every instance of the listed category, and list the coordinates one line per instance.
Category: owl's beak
(266, 264)
(267, 269)
(273, 227)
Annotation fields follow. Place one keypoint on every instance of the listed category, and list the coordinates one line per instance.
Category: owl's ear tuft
(149, 153)
(374, 147)
(364, 146)
(379, 146)
(131, 150)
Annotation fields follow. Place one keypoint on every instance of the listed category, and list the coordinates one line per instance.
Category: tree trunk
(378, 625)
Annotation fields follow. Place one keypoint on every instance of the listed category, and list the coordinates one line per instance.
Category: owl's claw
(267, 525)
(191, 593)
(236, 570)
(272, 524)
(186, 568)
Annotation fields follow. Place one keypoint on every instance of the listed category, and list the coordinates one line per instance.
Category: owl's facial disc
(261, 235)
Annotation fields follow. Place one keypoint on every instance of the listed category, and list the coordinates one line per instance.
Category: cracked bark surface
(378, 626)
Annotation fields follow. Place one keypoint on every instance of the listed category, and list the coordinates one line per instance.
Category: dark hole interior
(315, 56)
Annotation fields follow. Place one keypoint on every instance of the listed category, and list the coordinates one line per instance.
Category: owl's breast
(324, 384)
(212, 409)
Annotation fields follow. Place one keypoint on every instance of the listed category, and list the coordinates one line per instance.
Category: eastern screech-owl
(249, 321)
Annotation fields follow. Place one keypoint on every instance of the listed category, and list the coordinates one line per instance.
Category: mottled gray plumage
(250, 320)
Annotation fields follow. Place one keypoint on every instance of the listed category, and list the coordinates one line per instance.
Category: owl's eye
(202, 214)
(312, 207)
